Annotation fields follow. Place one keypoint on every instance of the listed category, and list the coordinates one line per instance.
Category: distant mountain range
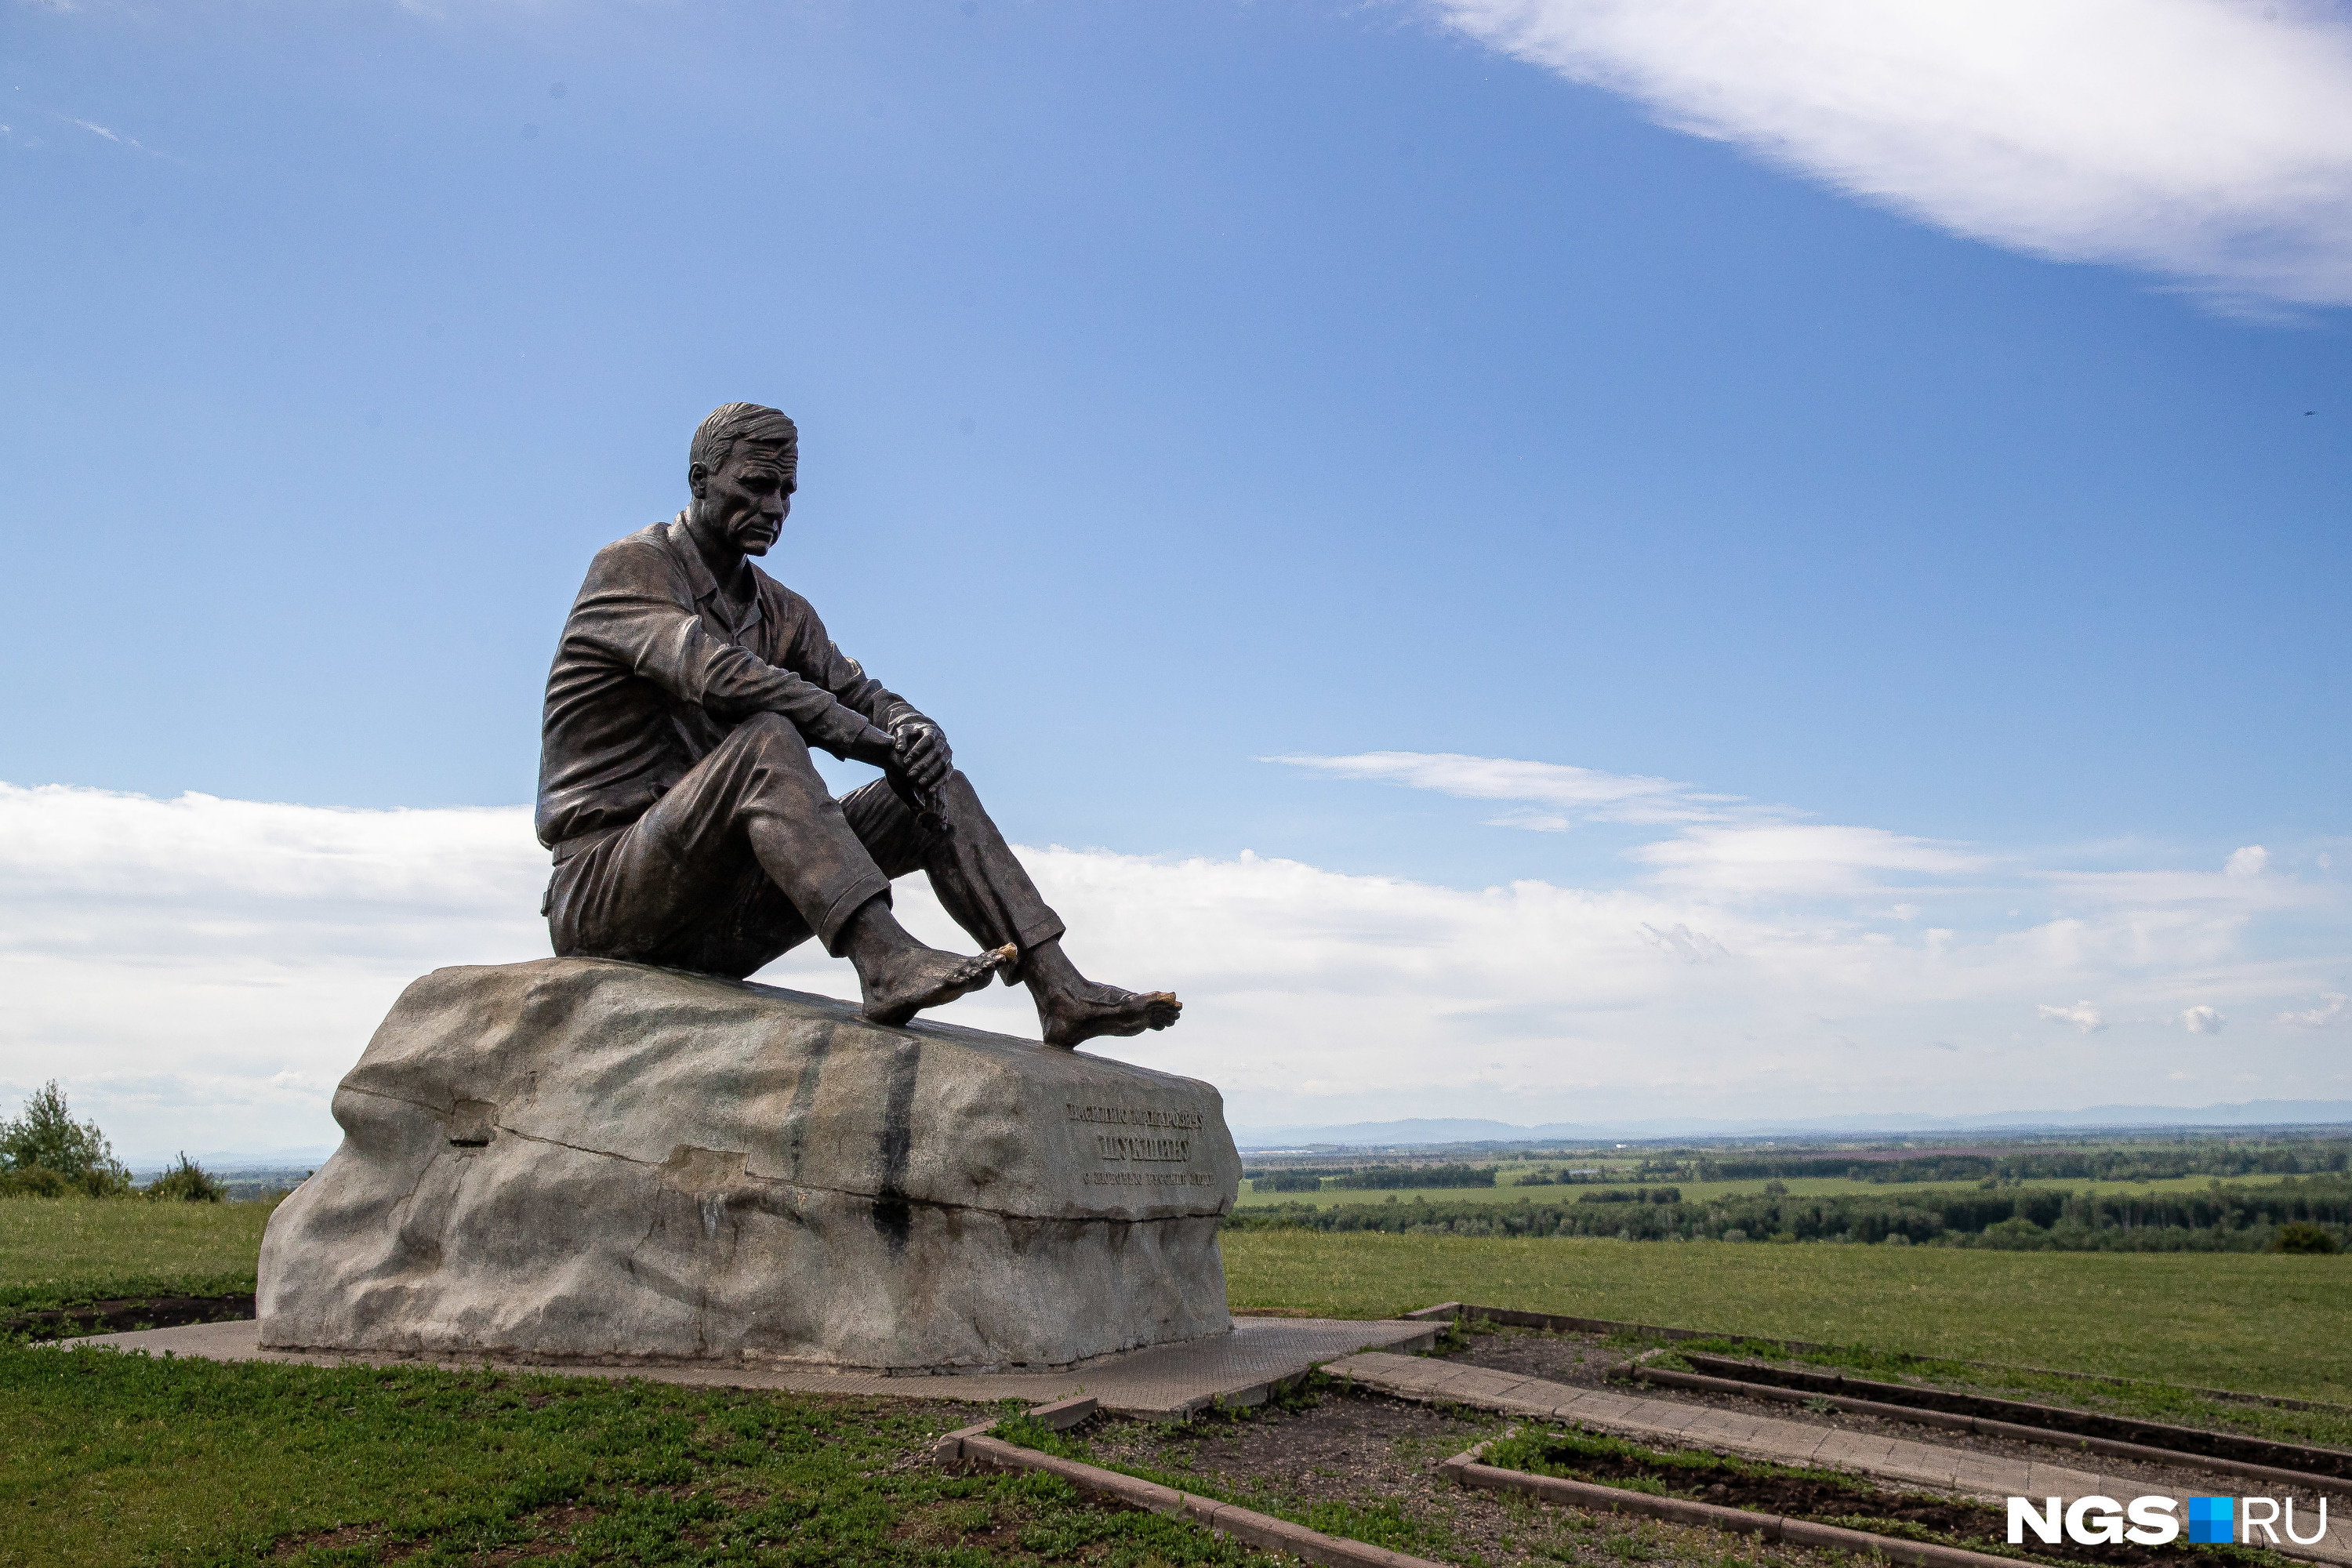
(1443, 1130)
(235, 1161)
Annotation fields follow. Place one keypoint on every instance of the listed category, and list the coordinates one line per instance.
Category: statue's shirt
(656, 667)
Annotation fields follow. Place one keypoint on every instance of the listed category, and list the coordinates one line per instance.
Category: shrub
(2305, 1238)
(47, 1138)
(34, 1182)
(186, 1182)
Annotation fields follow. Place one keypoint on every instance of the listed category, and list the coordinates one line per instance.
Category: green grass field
(125, 1460)
(58, 1250)
(131, 1460)
(2256, 1322)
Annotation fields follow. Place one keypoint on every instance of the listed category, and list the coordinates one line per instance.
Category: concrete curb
(973, 1445)
(1465, 1470)
(1700, 1383)
(1512, 1317)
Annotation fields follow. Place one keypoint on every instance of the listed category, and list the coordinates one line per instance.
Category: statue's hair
(733, 422)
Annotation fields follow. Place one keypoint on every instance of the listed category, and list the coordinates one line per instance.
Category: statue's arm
(634, 614)
(814, 654)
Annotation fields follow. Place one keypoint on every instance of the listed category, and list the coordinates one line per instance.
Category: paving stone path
(1163, 1382)
(1780, 1442)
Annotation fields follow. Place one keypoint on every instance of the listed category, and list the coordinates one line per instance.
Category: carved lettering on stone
(1133, 1116)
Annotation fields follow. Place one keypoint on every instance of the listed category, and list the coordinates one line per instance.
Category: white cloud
(1795, 860)
(2203, 1020)
(1728, 847)
(200, 972)
(2248, 862)
(2209, 141)
(1560, 794)
(2332, 1011)
(2086, 1018)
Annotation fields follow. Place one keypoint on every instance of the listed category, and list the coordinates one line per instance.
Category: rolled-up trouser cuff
(846, 903)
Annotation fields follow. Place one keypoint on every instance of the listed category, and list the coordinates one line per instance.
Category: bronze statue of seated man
(690, 829)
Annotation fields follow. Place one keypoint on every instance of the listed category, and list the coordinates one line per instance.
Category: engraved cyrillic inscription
(1134, 1116)
(1120, 1146)
(1147, 1179)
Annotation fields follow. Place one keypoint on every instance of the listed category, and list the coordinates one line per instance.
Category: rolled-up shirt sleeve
(630, 612)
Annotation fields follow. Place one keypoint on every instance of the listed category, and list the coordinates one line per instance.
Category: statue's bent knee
(771, 735)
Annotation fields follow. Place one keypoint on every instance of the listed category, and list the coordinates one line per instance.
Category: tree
(47, 1138)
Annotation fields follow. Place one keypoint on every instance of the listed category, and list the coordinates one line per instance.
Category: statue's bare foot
(904, 982)
(1087, 1009)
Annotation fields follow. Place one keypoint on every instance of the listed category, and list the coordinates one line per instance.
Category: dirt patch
(1366, 1468)
(558, 1527)
(1580, 1361)
(343, 1538)
(959, 1524)
(122, 1315)
(1858, 1505)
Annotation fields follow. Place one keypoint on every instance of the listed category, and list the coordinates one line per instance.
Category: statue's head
(742, 469)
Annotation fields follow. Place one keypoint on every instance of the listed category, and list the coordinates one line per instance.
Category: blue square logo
(2212, 1520)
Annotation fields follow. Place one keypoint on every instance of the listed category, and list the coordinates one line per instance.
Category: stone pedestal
(583, 1160)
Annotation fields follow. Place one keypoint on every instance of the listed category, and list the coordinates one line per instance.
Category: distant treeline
(2219, 1219)
(2098, 1165)
(1377, 1178)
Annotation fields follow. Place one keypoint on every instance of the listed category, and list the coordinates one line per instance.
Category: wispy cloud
(105, 133)
(1552, 795)
(2207, 141)
(1796, 860)
(2332, 1010)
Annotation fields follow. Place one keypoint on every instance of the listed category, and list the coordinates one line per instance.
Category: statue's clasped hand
(921, 752)
(916, 762)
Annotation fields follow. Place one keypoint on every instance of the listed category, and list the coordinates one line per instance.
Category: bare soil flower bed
(123, 1314)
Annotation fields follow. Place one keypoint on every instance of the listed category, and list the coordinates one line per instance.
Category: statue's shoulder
(654, 537)
(647, 553)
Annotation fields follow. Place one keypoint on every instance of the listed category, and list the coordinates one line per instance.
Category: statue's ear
(697, 478)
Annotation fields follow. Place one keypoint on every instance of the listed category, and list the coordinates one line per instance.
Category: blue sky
(1187, 386)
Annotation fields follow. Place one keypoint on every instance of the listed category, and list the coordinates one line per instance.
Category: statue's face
(748, 499)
